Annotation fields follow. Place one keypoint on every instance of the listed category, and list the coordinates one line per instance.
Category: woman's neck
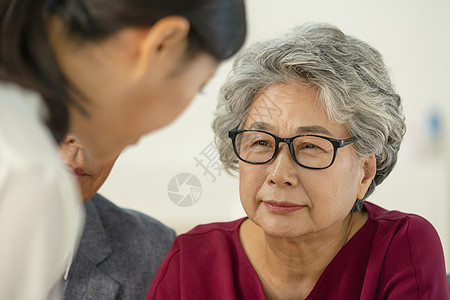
(289, 268)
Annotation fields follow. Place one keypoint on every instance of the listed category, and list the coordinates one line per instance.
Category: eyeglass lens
(259, 147)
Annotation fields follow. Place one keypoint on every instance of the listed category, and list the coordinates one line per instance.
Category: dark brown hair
(26, 58)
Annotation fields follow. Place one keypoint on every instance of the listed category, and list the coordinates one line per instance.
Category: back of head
(26, 58)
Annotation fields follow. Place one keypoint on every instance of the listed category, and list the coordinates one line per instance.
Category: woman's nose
(70, 139)
(70, 149)
(283, 170)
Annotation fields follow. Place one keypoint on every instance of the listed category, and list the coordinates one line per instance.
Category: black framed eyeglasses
(307, 150)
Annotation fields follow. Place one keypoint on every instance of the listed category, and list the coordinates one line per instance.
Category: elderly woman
(313, 124)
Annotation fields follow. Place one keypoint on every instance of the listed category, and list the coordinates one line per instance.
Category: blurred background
(175, 176)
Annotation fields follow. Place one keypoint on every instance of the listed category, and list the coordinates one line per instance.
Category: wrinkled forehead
(291, 108)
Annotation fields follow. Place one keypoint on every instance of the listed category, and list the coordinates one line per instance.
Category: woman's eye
(307, 147)
(260, 143)
(263, 143)
(311, 146)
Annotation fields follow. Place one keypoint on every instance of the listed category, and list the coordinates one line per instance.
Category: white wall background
(414, 37)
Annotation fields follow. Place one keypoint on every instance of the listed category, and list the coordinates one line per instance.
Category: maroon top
(393, 256)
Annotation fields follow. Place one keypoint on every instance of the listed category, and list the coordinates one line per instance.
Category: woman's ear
(166, 35)
(369, 166)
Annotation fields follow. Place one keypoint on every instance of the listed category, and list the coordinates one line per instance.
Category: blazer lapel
(86, 280)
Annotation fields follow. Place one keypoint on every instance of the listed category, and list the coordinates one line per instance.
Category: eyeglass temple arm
(345, 142)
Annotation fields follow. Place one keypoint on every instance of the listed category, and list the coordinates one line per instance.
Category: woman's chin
(279, 227)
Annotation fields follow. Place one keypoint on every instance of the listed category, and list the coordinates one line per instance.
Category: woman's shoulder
(400, 235)
(384, 217)
(25, 140)
(207, 261)
(219, 239)
(221, 227)
(219, 232)
(124, 226)
(406, 255)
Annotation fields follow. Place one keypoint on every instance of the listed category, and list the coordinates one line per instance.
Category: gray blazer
(119, 253)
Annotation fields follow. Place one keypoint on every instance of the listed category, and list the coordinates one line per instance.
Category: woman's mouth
(79, 173)
(282, 206)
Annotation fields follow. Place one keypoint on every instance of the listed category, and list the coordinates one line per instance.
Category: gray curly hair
(352, 81)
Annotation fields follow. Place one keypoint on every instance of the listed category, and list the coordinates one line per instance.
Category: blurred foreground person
(107, 71)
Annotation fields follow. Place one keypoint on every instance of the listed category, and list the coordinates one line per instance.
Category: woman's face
(134, 82)
(283, 198)
(89, 172)
(143, 109)
(122, 114)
